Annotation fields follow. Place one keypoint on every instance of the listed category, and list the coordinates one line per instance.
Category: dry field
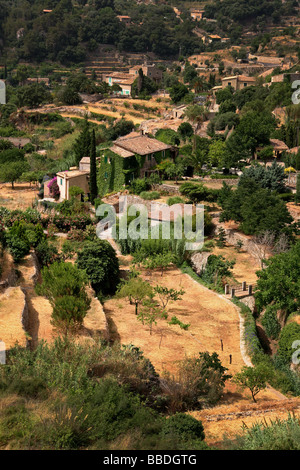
(21, 197)
(211, 318)
(245, 265)
(11, 306)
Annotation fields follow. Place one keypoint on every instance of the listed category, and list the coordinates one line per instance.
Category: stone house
(238, 82)
(151, 71)
(73, 177)
(124, 80)
(130, 157)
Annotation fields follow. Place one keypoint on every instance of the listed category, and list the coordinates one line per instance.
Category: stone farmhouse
(130, 157)
(125, 80)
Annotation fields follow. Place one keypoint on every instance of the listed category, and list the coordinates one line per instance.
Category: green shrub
(279, 434)
(149, 195)
(175, 321)
(270, 322)
(175, 200)
(184, 426)
(139, 185)
(289, 334)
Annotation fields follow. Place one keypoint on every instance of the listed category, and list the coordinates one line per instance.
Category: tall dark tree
(93, 170)
(82, 146)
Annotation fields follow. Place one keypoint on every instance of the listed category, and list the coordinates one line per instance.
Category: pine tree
(93, 170)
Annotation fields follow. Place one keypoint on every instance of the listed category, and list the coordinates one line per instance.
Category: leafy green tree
(150, 312)
(166, 295)
(290, 333)
(254, 130)
(174, 171)
(160, 261)
(272, 177)
(279, 283)
(99, 260)
(196, 114)
(136, 290)
(33, 95)
(185, 130)
(11, 172)
(178, 91)
(218, 153)
(68, 95)
(168, 136)
(227, 106)
(253, 378)
(190, 73)
(217, 270)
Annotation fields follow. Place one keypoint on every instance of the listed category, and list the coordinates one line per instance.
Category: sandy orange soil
(245, 265)
(21, 197)
(11, 306)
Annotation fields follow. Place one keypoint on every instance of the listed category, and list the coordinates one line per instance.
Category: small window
(106, 175)
(61, 181)
(245, 84)
(229, 83)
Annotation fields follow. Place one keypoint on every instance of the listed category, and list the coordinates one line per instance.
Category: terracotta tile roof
(278, 144)
(294, 150)
(72, 173)
(141, 145)
(243, 78)
(120, 151)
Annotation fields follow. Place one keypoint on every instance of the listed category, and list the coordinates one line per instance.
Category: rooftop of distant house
(294, 150)
(278, 144)
(140, 144)
(17, 141)
(72, 173)
(242, 78)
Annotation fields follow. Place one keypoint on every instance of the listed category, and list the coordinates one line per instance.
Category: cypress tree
(82, 144)
(93, 170)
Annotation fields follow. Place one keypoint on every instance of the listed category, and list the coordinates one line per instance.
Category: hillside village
(150, 345)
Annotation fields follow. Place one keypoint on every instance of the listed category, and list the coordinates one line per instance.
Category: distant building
(237, 82)
(125, 19)
(124, 80)
(151, 71)
(73, 177)
(20, 33)
(178, 112)
(130, 157)
(38, 80)
(196, 14)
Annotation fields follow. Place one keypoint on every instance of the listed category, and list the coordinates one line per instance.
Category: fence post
(244, 285)
(226, 289)
(232, 292)
(250, 289)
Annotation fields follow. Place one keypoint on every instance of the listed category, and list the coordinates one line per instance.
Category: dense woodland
(71, 31)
